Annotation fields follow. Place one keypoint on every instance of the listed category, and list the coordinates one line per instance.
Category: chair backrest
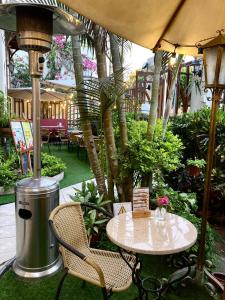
(69, 224)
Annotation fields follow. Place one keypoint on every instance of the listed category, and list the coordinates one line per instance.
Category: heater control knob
(41, 61)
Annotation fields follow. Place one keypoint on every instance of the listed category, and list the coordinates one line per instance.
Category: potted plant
(52, 166)
(93, 219)
(194, 166)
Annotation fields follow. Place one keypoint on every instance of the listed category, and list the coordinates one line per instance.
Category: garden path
(8, 225)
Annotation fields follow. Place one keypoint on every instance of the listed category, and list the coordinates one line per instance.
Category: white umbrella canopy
(46, 95)
(146, 22)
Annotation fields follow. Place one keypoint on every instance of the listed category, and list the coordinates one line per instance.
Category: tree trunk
(85, 124)
(154, 97)
(171, 93)
(152, 117)
(110, 144)
(127, 183)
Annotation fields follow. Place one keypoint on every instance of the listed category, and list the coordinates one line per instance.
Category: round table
(151, 236)
(156, 237)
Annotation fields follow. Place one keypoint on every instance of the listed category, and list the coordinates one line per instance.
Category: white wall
(3, 76)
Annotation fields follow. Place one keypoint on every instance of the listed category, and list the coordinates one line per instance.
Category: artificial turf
(12, 288)
(77, 170)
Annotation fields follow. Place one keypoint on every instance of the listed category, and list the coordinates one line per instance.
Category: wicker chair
(105, 269)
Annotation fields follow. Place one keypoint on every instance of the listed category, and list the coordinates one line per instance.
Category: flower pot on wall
(5, 132)
(193, 171)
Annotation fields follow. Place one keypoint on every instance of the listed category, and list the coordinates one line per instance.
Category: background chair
(105, 269)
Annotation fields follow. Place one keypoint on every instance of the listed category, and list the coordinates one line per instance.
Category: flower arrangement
(163, 201)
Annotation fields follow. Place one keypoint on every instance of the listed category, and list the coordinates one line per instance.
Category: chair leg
(60, 285)
(83, 284)
(106, 294)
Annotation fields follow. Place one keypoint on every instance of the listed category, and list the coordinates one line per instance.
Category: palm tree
(117, 63)
(155, 96)
(110, 145)
(85, 122)
(171, 92)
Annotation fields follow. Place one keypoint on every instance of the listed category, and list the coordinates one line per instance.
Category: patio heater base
(39, 273)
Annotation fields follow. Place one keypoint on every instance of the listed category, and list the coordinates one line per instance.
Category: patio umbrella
(146, 22)
(173, 25)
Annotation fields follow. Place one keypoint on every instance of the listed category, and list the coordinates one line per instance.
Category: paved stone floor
(8, 227)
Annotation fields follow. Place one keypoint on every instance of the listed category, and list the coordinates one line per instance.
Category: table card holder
(141, 203)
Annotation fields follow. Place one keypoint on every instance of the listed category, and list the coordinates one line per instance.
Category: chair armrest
(98, 269)
(85, 258)
(100, 209)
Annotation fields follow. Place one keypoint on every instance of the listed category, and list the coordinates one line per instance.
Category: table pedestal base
(186, 271)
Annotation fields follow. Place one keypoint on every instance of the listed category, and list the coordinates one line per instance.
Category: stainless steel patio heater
(35, 22)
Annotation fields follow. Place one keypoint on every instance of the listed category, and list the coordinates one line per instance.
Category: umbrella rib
(168, 25)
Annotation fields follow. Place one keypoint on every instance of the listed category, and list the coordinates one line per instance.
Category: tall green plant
(144, 157)
(4, 111)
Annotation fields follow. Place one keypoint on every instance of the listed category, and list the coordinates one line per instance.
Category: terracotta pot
(5, 132)
(193, 171)
(219, 276)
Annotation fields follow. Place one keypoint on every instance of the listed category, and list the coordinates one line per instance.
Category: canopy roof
(46, 95)
(145, 22)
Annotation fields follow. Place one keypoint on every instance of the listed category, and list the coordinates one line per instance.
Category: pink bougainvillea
(88, 64)
(60, 41)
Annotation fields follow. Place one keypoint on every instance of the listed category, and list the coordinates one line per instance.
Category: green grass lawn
(12, 288)
(77, 169)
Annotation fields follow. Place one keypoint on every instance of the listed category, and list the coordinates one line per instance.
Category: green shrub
(144, 157)
(51, 165)
(193, 130)
(9, 170)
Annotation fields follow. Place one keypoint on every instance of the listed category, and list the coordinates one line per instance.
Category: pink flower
(89, 64)
(163, 201)
(60, 40)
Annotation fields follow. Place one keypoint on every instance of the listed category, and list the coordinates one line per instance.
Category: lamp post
(214, 66)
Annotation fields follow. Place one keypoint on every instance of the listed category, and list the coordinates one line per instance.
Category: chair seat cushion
(117, 274)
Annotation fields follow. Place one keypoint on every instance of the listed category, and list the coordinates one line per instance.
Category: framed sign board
(18, 136)
(28, 135)
(23, 140)
(141, 203)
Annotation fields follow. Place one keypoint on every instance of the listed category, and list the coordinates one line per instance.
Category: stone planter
(59, 177)
(6, 192)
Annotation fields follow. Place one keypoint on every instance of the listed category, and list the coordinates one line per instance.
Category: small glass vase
(160, 213)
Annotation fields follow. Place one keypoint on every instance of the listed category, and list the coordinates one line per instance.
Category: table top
(151, 236)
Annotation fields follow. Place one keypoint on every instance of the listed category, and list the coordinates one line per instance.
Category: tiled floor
(8, 227)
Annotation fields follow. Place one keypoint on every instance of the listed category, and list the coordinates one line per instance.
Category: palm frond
(95, 96)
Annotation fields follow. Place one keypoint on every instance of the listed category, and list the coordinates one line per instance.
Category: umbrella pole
(35, 74)
(207, 186)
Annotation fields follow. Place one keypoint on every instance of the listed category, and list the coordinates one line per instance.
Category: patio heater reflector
(34, 23)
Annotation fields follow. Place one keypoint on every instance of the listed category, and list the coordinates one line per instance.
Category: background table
(151, 236)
